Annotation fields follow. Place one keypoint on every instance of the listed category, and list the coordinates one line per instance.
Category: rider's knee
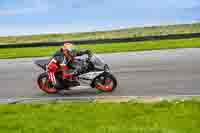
(52, 67)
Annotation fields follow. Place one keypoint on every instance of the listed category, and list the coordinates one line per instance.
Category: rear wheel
(105, 82)
(44, 85)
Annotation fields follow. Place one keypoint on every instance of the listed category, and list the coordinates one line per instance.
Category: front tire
(105, 82)
(43, 83)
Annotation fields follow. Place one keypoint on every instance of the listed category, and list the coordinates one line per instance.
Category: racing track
(150, 73)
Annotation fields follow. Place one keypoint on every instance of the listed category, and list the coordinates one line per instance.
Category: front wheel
(105, 82)
(43, 83)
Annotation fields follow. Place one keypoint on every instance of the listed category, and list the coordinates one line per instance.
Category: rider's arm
(83, 52)
(57, 58)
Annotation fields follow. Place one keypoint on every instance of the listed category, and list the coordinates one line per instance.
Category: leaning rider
(62, 61)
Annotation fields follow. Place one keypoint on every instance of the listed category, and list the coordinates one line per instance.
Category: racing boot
(61, 92)
(71, 83)
(70, 80)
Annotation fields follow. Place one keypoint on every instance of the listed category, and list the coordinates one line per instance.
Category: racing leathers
(60, 63)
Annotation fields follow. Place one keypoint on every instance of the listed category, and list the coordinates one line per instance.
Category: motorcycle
(93, 72)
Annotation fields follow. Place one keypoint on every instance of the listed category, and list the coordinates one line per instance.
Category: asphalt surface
(149, 73)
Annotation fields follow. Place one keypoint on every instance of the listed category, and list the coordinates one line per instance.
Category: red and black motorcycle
(94, 72)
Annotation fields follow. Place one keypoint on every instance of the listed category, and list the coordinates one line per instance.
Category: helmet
(70, 48)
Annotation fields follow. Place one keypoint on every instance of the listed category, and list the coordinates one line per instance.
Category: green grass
(104, 48)
(130, 32)
(163, 117)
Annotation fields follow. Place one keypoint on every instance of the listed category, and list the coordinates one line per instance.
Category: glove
(89, 53)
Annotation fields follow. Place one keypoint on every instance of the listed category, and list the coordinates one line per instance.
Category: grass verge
(162, 117)
(104, 48)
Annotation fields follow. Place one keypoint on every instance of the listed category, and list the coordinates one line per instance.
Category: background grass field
(104, 48)
(130, 32)
(163, 117)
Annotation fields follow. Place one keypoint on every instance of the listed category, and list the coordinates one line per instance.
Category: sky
(25, 17)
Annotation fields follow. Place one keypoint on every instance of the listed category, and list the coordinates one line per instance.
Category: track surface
(150, 73)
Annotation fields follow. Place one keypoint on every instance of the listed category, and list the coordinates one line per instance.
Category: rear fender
(42, 64)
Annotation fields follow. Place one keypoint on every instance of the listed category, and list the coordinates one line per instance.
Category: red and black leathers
(60, 63)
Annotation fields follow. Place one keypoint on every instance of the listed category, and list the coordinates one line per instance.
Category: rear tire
(43, 83)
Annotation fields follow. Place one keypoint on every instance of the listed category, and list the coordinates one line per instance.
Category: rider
(62, 61)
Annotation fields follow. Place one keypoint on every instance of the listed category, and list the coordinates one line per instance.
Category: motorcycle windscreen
(98, 62)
